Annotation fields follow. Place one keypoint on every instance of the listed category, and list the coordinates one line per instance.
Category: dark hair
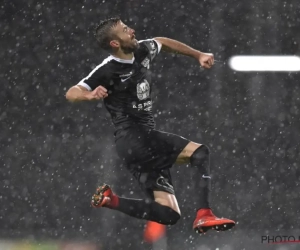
(103, 32)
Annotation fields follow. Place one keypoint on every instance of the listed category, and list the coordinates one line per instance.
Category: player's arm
(80, 93)
(206, 60)
(92, 87)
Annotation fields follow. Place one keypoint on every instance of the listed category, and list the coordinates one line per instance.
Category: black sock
(200, 160)
(148, 210)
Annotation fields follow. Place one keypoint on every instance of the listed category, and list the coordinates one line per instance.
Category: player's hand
(206, 60)
(97, 94)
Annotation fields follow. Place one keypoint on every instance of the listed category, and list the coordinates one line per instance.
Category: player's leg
(154, 231)
(138, 208)
(198, 156)
(158, 186)
(161, 206)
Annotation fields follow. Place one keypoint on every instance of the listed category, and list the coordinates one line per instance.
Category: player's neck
(123, 56)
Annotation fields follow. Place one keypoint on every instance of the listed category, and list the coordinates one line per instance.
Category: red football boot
(206, 220)
(104, 197)
(154, 231)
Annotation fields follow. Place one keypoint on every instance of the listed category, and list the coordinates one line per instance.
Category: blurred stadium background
(53, 154)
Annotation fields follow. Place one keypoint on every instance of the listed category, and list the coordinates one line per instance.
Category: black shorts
(149, 154)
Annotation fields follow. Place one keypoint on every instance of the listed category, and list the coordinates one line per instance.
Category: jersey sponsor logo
(152, 45)
(153, 48)
(147, 106)
(146, 62)
(143, 90)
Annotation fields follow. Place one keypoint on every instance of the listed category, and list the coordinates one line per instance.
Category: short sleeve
(153, 47)
(98, 76)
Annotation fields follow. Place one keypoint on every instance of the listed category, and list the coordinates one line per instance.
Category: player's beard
(127, 49)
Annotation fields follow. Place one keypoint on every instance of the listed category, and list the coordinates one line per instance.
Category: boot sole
(218, 228)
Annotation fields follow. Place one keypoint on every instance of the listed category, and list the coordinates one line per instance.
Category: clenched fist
(206, 60)
(97, 94)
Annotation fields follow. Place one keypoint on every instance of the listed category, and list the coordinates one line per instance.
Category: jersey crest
(143, 90)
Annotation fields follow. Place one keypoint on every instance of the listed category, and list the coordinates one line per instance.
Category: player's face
(126, 38)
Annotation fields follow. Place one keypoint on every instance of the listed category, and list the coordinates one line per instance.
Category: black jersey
(128, 84)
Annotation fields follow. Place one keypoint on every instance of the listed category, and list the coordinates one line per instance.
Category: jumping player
(123, 81)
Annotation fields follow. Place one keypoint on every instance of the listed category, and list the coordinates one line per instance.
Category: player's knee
(172, 218)
(175, 218)
(168, 216)
(200, 154)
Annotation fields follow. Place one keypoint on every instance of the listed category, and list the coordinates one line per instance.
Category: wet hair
(103, 32)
